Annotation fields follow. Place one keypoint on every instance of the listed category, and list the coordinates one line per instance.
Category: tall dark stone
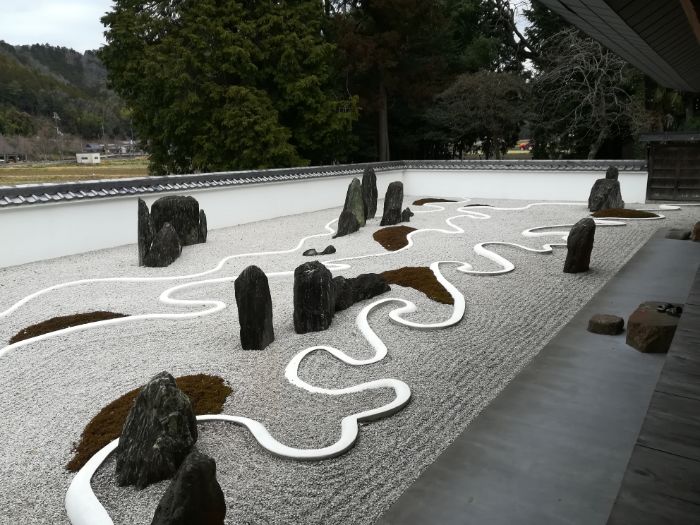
(369, 192)
(354, 201)
(194, 496)
(202, 230)
(347, 224)
(579, 246)
(254, 309)
(182, 213)
(314, 299)
(146, 231)
(159, 432)
(165, 248)
(406, 215)
(612, 173)
(605, 194)
(392, 204)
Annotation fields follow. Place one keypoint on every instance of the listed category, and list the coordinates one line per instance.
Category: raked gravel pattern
(50, 389)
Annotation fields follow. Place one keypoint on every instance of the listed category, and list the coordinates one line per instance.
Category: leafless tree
(586, 93)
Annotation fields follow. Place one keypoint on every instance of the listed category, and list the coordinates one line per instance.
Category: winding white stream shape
(82, 505)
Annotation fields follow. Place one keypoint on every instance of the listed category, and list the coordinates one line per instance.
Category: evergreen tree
(232, 84)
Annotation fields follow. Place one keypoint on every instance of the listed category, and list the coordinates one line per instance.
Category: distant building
(87, 158)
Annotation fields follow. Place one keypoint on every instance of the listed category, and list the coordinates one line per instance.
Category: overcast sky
(69, 23)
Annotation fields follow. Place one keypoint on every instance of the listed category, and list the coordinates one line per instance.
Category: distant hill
(40, 80)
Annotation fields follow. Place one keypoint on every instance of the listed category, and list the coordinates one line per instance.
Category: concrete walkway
(553, 447)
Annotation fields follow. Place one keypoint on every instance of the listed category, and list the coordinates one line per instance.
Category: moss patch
(394, 237)
(420, 202)
(59, 323)
(622, 212)
(419, 278)
(206, 392)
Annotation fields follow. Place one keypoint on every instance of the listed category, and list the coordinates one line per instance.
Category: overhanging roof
(659, 37)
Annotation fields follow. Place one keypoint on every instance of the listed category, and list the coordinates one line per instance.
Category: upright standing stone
(347, 224)
(182, 213)
(314, 299)
(392, 204)
(579, 246)
(605, 195)
(354, 201)
(159, 432)
(202, 231)
(369, 192)
(612, 173)
(254, 309)
(165, 248)
(146, 231)
(406, 215)
(194, 496)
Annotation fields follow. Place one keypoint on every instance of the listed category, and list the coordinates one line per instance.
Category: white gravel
(50, 389)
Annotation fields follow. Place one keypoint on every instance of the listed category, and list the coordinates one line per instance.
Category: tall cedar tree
(227, 84)
(394, 50)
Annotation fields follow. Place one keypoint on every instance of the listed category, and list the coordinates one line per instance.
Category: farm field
(32, 173)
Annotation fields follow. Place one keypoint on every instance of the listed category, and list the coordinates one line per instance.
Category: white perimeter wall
(44, 231)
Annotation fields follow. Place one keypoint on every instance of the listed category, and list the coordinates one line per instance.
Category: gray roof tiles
(35, 194)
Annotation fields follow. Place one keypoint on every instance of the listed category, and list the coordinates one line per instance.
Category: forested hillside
(39, 81)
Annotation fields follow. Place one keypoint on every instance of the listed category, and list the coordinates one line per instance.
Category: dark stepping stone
(194, 496)
(159, 432)
(695, 234)
(254, 309)
(579, 246)
(606, 324)
(650, 330)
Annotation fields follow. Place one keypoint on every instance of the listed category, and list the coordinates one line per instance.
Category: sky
(68, 23)
(71, 23)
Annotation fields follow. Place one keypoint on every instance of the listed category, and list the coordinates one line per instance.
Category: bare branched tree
(586, 94)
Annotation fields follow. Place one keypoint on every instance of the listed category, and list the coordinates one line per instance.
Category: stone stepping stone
(650, 330)
(606, 324)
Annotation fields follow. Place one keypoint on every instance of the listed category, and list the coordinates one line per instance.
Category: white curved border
(81, 503)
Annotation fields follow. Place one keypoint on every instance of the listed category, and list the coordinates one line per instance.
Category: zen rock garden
(172, 223)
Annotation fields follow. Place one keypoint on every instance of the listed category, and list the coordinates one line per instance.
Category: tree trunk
(383, 124)
(595, 146)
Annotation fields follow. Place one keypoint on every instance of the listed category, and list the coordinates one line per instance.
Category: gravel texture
(50, 389)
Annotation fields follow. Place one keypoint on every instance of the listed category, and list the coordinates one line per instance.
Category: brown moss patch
(622, 212)
(206, 392)
(59, 323)
(419, 278)
(420, 202)
(393, 237)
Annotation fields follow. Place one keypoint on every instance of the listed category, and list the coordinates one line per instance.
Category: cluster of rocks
(361, 204)
(157, 443)
(650, 328)
(318, 295)
(605, 193)
(311, 252)
(173, 222)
